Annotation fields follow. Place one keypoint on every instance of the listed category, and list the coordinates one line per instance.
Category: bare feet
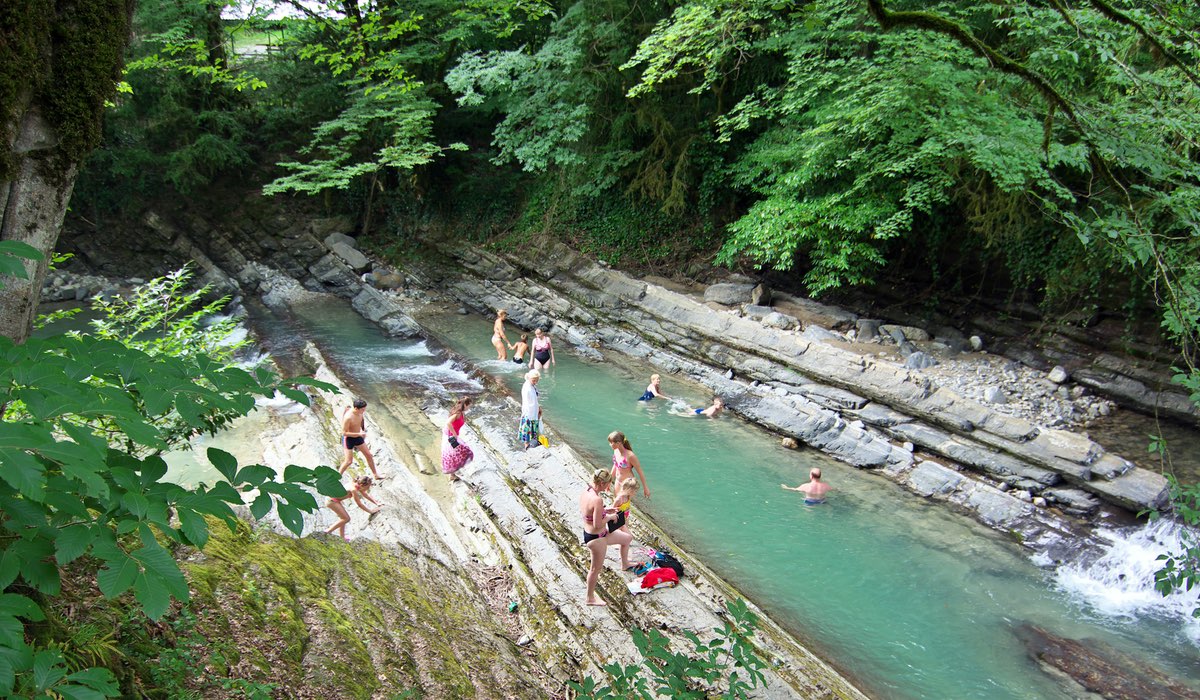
(596, 601)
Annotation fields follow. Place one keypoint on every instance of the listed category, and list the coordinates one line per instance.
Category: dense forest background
(1040, 150)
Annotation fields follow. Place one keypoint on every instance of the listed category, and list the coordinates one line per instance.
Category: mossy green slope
(319, 617)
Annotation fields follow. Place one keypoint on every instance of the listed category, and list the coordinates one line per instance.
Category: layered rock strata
(517, 511)
(855, 407)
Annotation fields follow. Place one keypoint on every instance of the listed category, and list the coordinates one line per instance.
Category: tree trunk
(60, 61)
(32, 207)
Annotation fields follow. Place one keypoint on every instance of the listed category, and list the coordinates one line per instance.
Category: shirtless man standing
(814, 491)
(354, 437)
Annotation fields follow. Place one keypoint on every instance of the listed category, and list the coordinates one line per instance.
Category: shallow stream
(905, 597)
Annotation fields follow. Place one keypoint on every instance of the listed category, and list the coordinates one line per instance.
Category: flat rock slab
(1101, 669)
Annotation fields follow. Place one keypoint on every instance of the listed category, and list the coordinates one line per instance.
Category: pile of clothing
(661, 570)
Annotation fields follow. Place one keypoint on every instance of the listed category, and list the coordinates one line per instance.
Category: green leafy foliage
(84, 421)
(725, 666)
(1181, 570)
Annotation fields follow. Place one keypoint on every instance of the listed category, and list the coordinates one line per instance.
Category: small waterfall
(445, 379)
(1121, 582)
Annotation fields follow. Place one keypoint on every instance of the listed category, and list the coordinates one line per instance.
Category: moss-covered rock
(318, 617)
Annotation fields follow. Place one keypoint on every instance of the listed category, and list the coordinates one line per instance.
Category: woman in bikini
(625, 462)
(499, 340)
(543, 350)
(455, 453)
(359, 491)
(595, 531)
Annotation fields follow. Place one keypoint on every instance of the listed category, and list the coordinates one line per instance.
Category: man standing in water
(814, 491)
(354, 437)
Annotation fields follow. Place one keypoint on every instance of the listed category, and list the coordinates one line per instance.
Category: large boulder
(780, 321)
(760, 295)
(351, 256)
(756, 312)
(730, 294)
(335, 238)
(332, 272)
(868, 329)
(919, 360)
(384, 311)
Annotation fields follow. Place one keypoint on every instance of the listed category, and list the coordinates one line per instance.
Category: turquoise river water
(907, 598)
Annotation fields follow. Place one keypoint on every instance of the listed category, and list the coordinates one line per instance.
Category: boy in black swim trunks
(354, 437)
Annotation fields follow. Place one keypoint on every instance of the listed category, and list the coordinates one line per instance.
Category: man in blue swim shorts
(814, 491)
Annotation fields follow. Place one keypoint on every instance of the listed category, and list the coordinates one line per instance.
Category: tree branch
(927, 20)
(1121, 18)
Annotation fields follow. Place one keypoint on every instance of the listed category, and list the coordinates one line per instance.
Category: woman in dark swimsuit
(595, 531)
(543, 350)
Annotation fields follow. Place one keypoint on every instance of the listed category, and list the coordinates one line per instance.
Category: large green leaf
(23, 472)
(254, 475)
(36, 566)
(291, 518)
(194, 527)
(13, 659)
(72, 542)
(329, 482)
(224, 462)
(47, 669)
(118, 575)
(261, 505)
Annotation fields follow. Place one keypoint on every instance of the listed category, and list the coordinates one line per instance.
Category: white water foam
(1121, 583)
(237, 335)
(434, 376)
(412, 350)
(279, 404)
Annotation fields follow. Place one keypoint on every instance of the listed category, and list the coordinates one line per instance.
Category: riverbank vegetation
(84, 420)
(1040, 152)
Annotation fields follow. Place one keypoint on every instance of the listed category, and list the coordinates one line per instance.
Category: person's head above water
(359, 403)
(501, 313)
(815, 473)
(629, 486)
(532, 376)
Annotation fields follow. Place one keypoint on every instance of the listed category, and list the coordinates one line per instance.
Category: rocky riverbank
(802, 369)
(868, 410)
(511, 517)
(876, 395)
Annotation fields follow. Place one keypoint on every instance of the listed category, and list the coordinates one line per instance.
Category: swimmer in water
(520, 348)
(653, 390)
(814, 491)
(712, 411)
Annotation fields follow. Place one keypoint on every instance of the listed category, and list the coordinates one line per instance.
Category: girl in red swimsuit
(455, 453)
